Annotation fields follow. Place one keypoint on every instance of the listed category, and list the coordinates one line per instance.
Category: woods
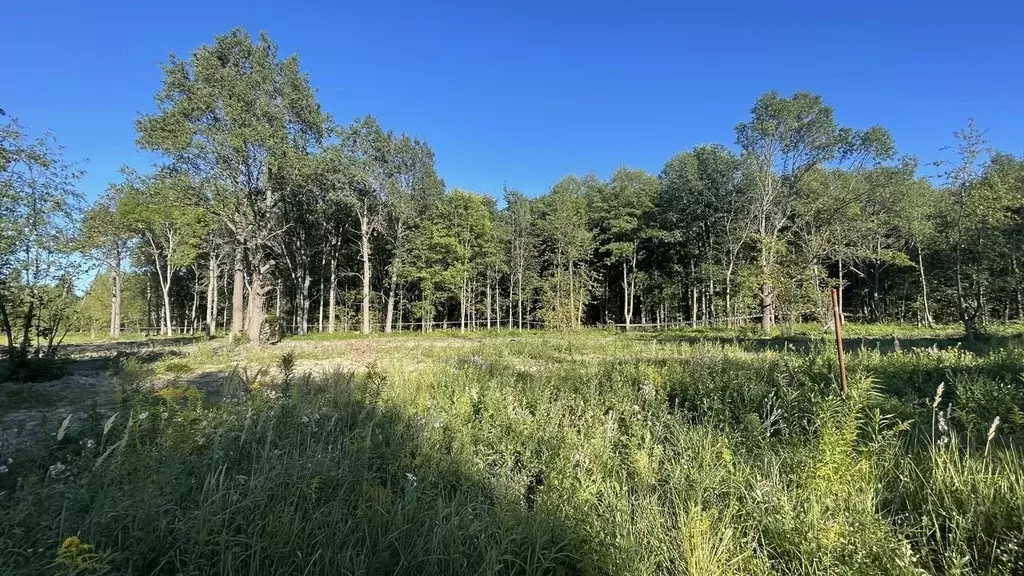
(266, 215)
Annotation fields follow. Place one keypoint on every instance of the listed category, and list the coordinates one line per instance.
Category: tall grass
(590, 454)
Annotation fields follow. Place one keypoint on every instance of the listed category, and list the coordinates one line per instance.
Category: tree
(416, 189)
(226, 116)
(39, 208)
(622, 214)
(981, 200)
(785, 139)
(563, 224)
(702, 215)
(364, 168)
(522, 243)
(170, 230)
(106, 236)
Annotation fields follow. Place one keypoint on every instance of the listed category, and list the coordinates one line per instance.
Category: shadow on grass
(326, 479)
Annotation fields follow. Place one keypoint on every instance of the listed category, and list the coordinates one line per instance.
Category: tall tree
(702, 215)
(522, 245)
(364, 163)
(980, 202)
(416, 189)
(621, 211)
(227, 115)
(106, 236)
(785, 139)
(564, 228)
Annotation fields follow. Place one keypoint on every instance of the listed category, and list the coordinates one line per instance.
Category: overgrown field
(577, 453)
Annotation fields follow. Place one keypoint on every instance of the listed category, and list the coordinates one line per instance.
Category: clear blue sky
(527, 92)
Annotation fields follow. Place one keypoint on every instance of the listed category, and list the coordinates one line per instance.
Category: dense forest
(265, 215)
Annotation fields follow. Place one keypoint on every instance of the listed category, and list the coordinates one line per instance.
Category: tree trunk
(115, 300)
(390, 314)
(320, 298)
(462, 306)
(519, 296)
(1017, 287)
(728, 298)
(237, 295)
(6, 320)
(256, 314)
(216, 298)
(166, 290)
(333, 295)
(364, 245)
(627, 299)
(401, 303)
(149, 304)
(924, 289)
(195, 299)
(304, 323)
(211, 297)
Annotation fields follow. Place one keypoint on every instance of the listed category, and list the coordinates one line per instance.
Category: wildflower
(109, 423)
(991, 434)
(56, 471)
(143, 416)
(63, 428)
(77, 556)
(992, 429)
(90, 443)
(938, 395)
(411, 478)
(305, 419)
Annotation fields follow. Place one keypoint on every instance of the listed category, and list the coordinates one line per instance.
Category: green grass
(536, 453)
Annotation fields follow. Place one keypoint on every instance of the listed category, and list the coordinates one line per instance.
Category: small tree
(170, 229)
(106, 237)
(38, 212)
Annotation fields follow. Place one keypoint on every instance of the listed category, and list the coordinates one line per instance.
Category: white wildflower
(109, 423)
(90, 443)
(63, 428)
(411, 478)
(143, 416)
(992, 429)
(938, 395)
(56, 471)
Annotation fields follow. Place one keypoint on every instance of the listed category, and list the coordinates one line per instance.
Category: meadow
(691, 452)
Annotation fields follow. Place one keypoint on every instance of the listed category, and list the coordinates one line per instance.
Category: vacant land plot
(579, 452)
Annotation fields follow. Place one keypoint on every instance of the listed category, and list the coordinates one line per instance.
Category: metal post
(837, 321)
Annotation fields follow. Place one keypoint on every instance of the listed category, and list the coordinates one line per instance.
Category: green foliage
(580, 452)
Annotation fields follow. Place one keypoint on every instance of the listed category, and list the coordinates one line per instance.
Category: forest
(267, 216)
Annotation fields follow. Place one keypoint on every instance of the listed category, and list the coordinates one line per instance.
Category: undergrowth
(597, 454)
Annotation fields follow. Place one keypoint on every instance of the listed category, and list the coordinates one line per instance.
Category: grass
(535, 453)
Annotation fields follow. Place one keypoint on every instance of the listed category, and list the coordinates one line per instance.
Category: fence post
(837, 322)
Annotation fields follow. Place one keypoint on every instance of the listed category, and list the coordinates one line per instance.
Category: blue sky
(527, 92)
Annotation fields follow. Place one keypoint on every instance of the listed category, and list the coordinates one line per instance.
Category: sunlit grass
(535, 453)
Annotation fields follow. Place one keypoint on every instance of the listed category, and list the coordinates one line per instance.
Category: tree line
(265, 215)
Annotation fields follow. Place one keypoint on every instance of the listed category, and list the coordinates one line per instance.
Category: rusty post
(837, 321)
